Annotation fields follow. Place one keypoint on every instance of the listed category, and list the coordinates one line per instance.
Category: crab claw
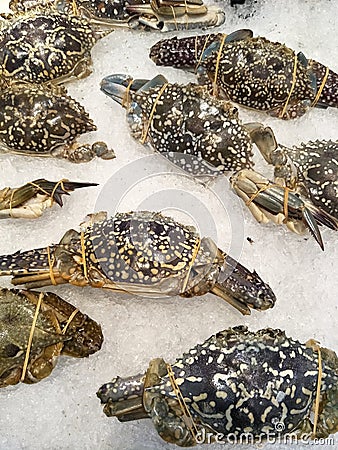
(181, 53)
(123, 398)
(269, 201)
(57, 189)
(30, 200)
(243, 289)
(174, 15)
(127, 398)
(117, 86)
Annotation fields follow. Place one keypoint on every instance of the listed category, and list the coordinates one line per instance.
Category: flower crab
(304, 192)
(252, 71)
(41, 120)
(141, 253)
(59, 329)
(199, 133)
(204, 136)
(236, 383)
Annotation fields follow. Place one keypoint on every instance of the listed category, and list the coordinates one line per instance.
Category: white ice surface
(62, 411)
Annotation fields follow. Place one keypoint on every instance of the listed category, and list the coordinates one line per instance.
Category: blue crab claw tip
(312, 225)
(115, 86)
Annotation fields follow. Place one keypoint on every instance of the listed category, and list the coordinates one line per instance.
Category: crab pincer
(267, 201)
(30, 200)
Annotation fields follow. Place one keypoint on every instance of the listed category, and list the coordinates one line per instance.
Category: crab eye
(11, 351)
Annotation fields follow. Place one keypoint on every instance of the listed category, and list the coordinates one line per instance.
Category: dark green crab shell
(38, 47)
(249, 382)
(36, 120)
(194, 130)
(258, 74)
(317, 166)
(82, 338)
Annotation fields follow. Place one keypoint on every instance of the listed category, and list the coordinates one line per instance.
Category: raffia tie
(321, 87)
(152, 112)
(193, 257)
(174, 16)
(30, 338)
(70, 319)
(202, 52)
(51, 264)
(186, 414)
(317, 400)
(126, 97)
(292, 88)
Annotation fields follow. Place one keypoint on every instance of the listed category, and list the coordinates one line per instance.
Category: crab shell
(197, 132)
(41, 46)
(38, 120)
(51, 338)
(253, 72)
(236, 382)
